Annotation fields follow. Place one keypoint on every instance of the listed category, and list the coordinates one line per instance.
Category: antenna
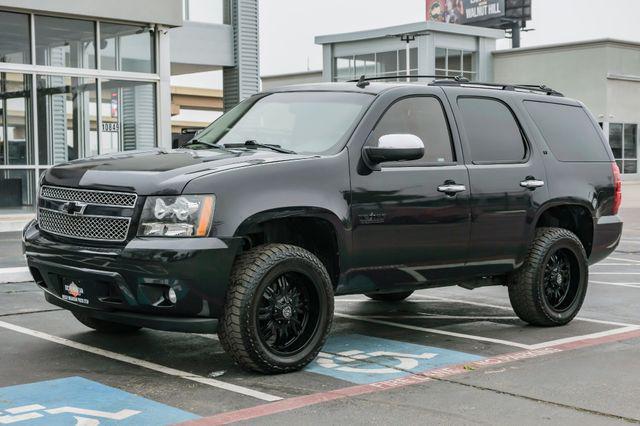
(362, 82)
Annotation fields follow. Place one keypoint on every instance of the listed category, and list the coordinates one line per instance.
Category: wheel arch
(574, 215)
(315, 229)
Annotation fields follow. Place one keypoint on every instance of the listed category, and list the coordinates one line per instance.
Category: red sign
(450, 11)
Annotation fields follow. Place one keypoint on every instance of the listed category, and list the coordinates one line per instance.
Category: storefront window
(344, 68)
(63, 42)
(413, 61)
(17, 191)
(623, 139)
(67, 114)
(16, 142)
(128, 116)
(127, 47)
(454, 62)
(381, 64)
(15, 46)
(387, 63)
(76, 112)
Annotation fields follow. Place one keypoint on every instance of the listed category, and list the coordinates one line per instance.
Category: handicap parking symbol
(363, 359)
(81, 402)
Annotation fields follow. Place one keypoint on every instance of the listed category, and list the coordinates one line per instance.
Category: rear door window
(568, 131)
(492, 131)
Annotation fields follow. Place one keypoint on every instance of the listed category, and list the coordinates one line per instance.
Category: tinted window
(492, 131)
(15, 43)
(423, 117)
(568, 131)
(63, 42)
(126, 47)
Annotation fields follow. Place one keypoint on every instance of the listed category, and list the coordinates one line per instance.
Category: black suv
(307, 192)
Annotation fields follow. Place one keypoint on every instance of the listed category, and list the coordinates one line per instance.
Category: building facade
(423, 48)
(604, 74)
(87, 78)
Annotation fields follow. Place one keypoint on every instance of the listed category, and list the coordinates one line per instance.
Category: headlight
(178, 216)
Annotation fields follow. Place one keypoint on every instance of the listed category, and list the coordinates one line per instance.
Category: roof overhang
(162, 12)
(415, 28)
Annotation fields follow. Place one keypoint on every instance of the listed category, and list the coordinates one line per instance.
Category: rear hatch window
(568, 131)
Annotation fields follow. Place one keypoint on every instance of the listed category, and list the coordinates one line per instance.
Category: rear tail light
(617, 185)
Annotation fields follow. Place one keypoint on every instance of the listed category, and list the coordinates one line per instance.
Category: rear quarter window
(568, 131)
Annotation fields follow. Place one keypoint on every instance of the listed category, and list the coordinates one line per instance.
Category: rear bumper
(130, 284)
(606, 237)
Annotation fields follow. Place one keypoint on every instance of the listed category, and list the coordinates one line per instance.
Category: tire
(278, 310)
(103, 326)
(542, 293)
(390, 297)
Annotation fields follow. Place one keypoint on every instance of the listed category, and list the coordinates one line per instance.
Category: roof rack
(535, 88)
(441, 80)
(363, 81)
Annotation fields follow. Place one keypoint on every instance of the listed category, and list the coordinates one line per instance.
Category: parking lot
(443, 356)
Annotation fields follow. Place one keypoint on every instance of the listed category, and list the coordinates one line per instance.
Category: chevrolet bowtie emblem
(73, 208)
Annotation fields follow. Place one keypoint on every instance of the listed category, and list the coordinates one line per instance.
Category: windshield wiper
(209, 144)
(252, 143)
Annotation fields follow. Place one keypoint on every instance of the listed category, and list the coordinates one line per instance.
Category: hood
(156, 172)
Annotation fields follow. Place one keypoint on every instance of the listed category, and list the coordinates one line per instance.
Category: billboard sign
(464, 11)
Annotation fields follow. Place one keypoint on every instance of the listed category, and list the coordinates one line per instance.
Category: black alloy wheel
(561, 279)
(288, 313)
(550, 287)
(278, 310)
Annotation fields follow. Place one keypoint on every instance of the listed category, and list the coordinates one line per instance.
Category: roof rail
(458, 80)
(363, 81)
(534, 88)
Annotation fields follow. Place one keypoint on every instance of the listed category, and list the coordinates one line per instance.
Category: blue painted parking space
(78, 401)
(363, 359)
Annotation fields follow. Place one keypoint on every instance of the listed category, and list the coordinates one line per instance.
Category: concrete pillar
(163, 91)
(242, 80)
(327, 62)
(426, 54)
(486, 46)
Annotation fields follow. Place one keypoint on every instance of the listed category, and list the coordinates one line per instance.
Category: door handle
(451, 188)
(531, 183)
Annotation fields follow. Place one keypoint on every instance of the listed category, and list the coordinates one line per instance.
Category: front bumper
(130, 284)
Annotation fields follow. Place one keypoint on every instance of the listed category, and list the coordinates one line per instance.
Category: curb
(15, 275)
(14, 223)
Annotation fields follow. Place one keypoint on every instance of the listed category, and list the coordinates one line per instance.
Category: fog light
(172, 296)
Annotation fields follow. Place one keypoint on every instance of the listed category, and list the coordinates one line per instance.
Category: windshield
(303, 122)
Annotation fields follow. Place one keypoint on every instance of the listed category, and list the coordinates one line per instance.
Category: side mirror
(396, 147)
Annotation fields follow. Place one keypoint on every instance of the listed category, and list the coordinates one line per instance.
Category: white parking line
(623, 259)
(614, 273)
(434, 331)
(142, 363)
(430, 316)
(432, 299)
(585, 337)
(622, 328)
(614, 264)
(631, 285)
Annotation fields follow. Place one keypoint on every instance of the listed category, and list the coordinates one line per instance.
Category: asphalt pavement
(445, 356)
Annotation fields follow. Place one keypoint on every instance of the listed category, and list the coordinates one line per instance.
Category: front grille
(102, 198)
(98, 228)
(55, 217)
